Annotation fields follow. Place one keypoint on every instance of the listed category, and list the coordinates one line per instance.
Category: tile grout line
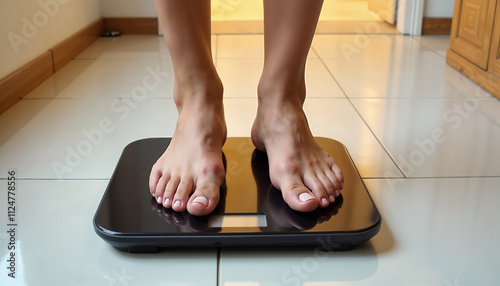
(359, 114)
(429, 47)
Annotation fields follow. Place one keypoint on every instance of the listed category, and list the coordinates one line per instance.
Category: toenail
(158, 200)
(201, 200)
(167, 201)
(304, 197)
(324, 201)
(332, 198)
(341, 186)
(337, 193)
(177, 204)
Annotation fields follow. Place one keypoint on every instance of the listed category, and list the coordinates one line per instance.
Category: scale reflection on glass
(251, 212)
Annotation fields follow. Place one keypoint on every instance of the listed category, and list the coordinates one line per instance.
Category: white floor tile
(56, 243)
(437, 137)
(127, 47)
(319, 81)
(390, 66)
(243, 47)
(78, 138)
(241, 77)
(331, 118)
(352, 46)
(240, 46)
(109, 78)
(434, 232)
(439, 43)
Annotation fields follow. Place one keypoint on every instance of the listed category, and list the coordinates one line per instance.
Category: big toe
(300, 198)
(204, 199)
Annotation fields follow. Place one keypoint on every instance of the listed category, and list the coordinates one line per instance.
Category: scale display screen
(237, 220)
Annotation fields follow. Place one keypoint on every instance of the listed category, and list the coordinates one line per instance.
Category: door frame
(410, 16)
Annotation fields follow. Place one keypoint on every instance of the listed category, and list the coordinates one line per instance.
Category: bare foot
(306, 175)
(190, 172)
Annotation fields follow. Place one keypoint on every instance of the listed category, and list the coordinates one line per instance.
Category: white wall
(128, 8)
(29, 28)
(439, 8)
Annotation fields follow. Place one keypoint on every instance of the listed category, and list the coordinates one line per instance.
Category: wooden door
(386, 9)
(471, 30)
(494, 65)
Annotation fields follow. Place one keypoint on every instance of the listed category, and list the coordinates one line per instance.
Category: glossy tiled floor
(424, 138)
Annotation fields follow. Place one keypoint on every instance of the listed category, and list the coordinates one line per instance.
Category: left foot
(307, 176)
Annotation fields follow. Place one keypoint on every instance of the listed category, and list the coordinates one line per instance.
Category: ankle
(277, 92)
(202, 92)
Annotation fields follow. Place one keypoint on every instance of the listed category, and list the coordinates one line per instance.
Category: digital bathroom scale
(251, 212)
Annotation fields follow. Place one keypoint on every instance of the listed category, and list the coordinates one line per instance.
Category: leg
(192, 163)
(307, 176)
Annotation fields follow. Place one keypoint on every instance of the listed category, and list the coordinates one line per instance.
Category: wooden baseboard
(72, 46)
(19, 83)
(355, 27)
(141, 26)
(436, 26)
(483, 78)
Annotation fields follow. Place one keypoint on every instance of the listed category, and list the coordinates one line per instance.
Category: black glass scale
(251, 211)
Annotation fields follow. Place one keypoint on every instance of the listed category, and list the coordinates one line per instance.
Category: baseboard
(141, 26)
(436, 26)
(19, 83)
(355, 27)
(72, 46)
(482, 78)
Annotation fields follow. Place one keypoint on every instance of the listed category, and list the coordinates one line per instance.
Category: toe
(160, 187)
(338, 175)
(169, 190)
(328, 185)
(298, 196)
(182, 194)
(204, 199)
(154, 178)
(330, 175)
(314, 184)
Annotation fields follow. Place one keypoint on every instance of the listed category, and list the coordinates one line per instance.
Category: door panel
(386, 9)
(471, 30)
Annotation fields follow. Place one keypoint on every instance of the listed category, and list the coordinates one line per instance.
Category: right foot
(190, 172)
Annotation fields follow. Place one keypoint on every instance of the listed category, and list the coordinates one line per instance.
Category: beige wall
(128, 8)
(30, 27)
(439, 8)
